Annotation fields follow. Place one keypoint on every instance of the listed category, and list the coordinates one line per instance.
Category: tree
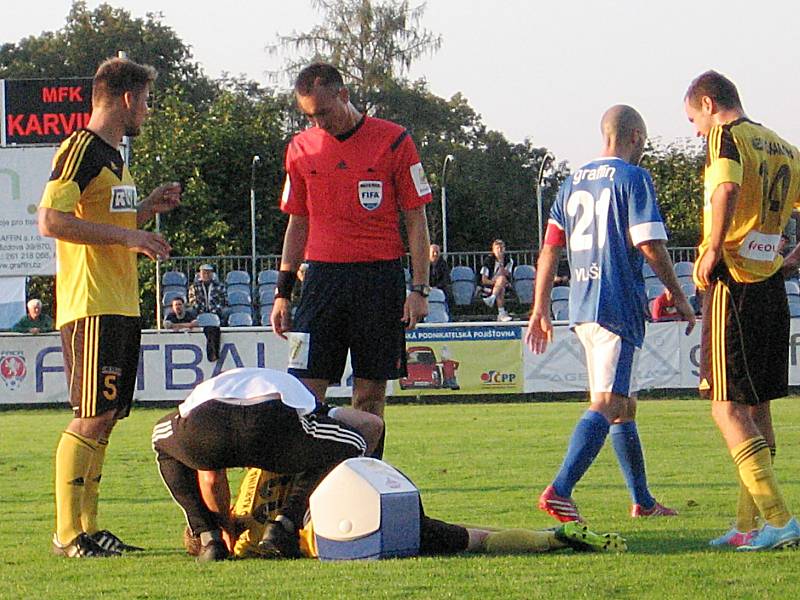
(210, 151)
(372, 43)
(677, 171)
(89, 37)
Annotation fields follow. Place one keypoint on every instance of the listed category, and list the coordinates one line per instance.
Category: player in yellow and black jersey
(752, 183)
(90, 206)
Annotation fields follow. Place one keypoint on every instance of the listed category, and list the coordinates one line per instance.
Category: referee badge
(370, 194)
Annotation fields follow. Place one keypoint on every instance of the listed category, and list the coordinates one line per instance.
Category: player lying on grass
(262, 495)
(253, 417)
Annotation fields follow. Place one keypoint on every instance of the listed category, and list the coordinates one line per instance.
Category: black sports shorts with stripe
(270, 435)
(745, 340)
(350, 306)
(101, 360)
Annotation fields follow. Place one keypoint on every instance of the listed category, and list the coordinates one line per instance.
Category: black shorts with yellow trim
(101, 359)
(745, 340)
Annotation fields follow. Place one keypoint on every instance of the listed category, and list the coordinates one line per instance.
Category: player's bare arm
(163, 199)
(294, 245)
(67, 227)
(723, 205)
(415, 308)
(656, 255)
(216, 493)
(540, 328)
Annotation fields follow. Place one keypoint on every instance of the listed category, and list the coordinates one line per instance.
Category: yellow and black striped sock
(520, 541)
(746, 509)
(73, 457)
(91, 489)
(753, 458)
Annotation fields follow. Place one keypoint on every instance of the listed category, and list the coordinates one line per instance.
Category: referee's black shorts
(745, 340)
(350, 306)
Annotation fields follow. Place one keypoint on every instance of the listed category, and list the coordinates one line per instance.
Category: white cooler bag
(365, 509)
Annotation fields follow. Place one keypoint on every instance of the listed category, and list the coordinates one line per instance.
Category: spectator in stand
(207, 295)
(664, 308)
(562, 273)
(440, 272)
(496, 278)
(180, 319)
(35, 321)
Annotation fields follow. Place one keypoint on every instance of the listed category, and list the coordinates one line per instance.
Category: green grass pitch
(474, 463)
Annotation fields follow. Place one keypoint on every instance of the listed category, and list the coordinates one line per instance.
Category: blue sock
(625, 438)
(587, 439)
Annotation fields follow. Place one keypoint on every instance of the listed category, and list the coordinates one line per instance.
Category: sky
(536, 70)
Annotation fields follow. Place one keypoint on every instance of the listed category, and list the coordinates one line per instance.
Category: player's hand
(281, 317)
(539, 332)
(687, 313)
(149, 243)
(415, 309)
(706, 266)
(164, 198)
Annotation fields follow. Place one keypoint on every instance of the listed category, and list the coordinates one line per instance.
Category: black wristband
(285, 284)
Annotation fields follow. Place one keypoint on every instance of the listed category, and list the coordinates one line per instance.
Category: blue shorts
(350, 306)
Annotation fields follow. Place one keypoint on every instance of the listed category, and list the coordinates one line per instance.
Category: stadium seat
(264, 312)
(241, 288)
(181, 289)
(560, 292)
(684, 269)
(238, 308)
(437, 313)
(794, 310)
(173, 278)
(240, 319)
(654, 290)
(562, 314)
(524, 276)
(239, 298)
(685, 280)
(207, 320)
(437, 307)
(688, 288)
(647, 271)
(266, 296)
(267, 276)
(559, 305)
(463, 279)
(407, 274)
(792, 287)
(237, 277)
(437, 295)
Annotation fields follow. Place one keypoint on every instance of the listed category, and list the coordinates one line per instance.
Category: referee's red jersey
(353, 191)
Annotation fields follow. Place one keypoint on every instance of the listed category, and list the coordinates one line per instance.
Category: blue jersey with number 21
(603, 211)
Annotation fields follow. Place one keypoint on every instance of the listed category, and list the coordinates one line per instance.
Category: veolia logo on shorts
(370, 194)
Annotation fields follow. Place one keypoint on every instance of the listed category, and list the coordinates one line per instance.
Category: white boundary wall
(31, 370)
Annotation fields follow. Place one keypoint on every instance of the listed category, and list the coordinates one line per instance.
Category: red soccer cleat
(562, 509)
(657, 510)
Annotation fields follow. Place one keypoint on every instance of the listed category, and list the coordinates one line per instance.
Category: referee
(349, 178)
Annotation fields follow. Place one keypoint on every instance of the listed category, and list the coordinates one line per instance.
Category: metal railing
(189, 265)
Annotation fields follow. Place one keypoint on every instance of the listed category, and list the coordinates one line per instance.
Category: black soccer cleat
(82, 546)
(108, 541)
(213, 551)
(279, 543)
